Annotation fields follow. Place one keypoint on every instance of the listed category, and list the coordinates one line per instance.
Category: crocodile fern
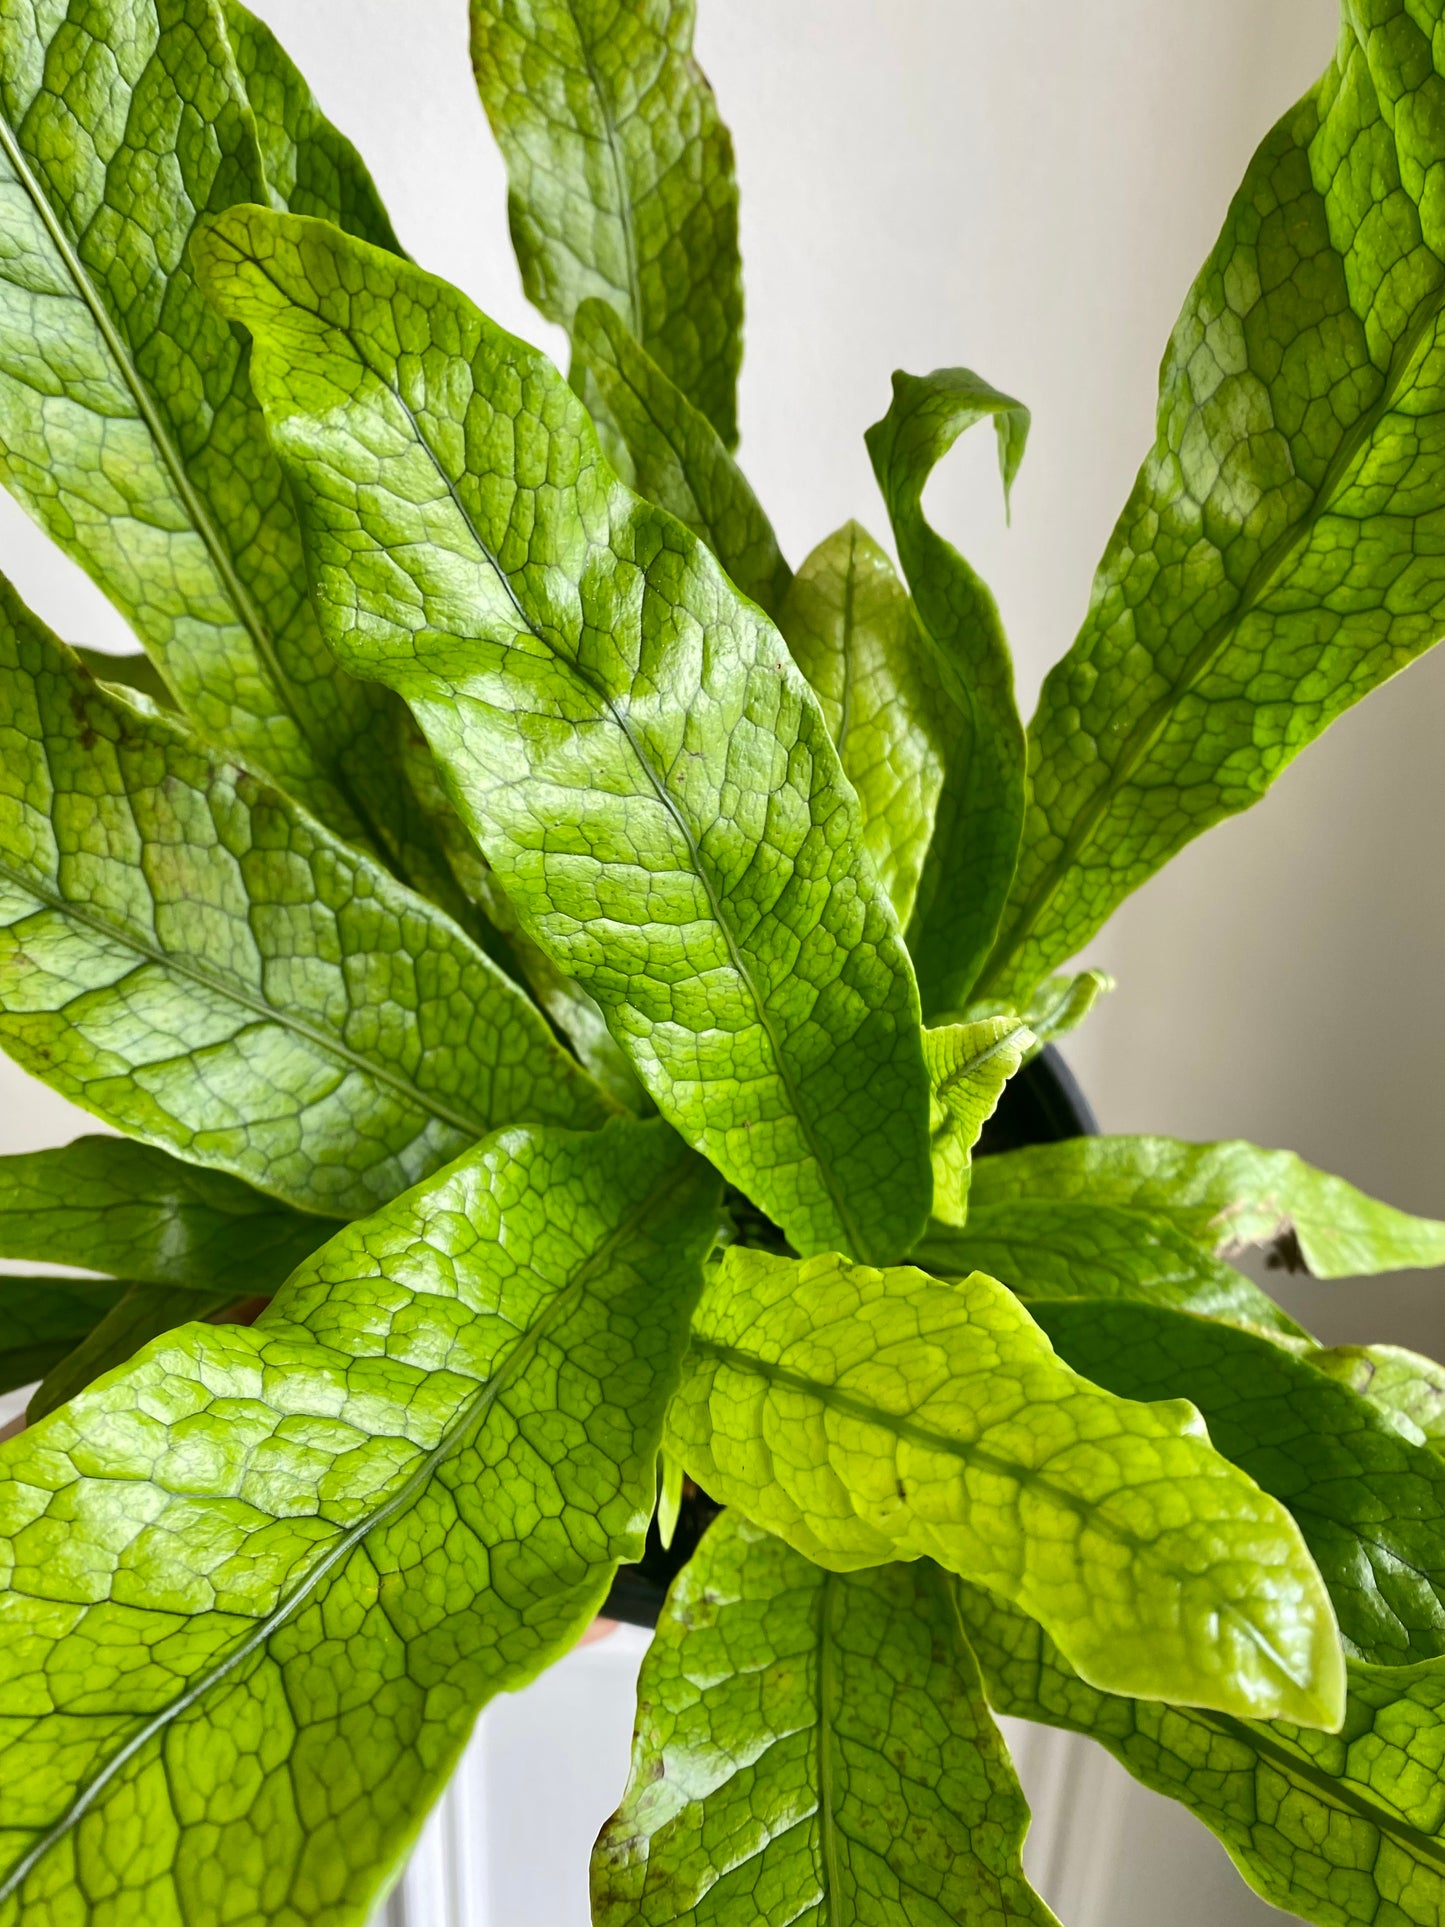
(550, 966)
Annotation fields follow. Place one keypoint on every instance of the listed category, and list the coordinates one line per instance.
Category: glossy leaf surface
(638, 757)
(866, 1416)
(968, 1066)
(1408, 1389)
(812, 1748)
(108, 1204)
(141, 1314)
(1345, 1830)
(979, 814)
(310, 167)
(127, 423)
(189, 955)
(1370, 1504)
(621, 178)
(299, 1555)
(1281, 552)
(573, 1013)
(1068, 1248)
(1226, 1196)
(678, 459)
(852, 632)
(43, 1319)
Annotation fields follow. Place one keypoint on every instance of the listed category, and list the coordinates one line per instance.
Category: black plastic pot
(1041, 1105)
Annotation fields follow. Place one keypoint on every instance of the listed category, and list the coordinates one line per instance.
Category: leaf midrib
(476, 1407)
(1008, 1041)
(325, 767)
(1150, 726)
(903, 1426)
(233, 993)
(199, 514)
(764, 1016)
(1338, 1793)
(619, 173)
(970, 1453)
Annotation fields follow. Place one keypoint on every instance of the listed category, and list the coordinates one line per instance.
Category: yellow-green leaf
(873, 1415)
(639, 758)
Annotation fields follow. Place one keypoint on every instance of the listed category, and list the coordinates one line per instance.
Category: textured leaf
(815, 1749)
(309, 165)
(43, 1319)
(853, 633)
(1344, 1830)
(621, 178)
(573, 1013)
(1408, 1389)
(638, 757)
(1226, 1196)
(312, 168)
(1370, 1504)
(107, 1204)
(1281, 552)
(1068, 1248)
(127, 424)
(259, 1581)
(980, 808)
(187, 954)
(143, 1313)
(1061, 1003)
(968, 1066)
(677, 457)
(867, 1416)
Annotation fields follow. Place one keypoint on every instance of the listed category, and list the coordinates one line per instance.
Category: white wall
(1026, 188)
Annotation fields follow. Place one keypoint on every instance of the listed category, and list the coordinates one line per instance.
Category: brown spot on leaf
(1285, 1254)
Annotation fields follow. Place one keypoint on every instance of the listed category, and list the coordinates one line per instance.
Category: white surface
(508, 1846)
(1028, 189)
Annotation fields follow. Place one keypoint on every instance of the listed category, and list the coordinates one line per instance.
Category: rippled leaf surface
(258, 1583)
(1345, 1830)
(677, 457)
(141, 1314)
(812, 1747)
(968, 1066)
(1069, 1248)
(621, 178)
(873, 1415)
(127, 423)
(1408, 1389)
(1371, 1504)
(979, 813)
(189, 955)
(1226, 1196)
(109, 1204)
(311, 168)
(638, 756)
(1281, 552)
(853, 633)
(576, 1016)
